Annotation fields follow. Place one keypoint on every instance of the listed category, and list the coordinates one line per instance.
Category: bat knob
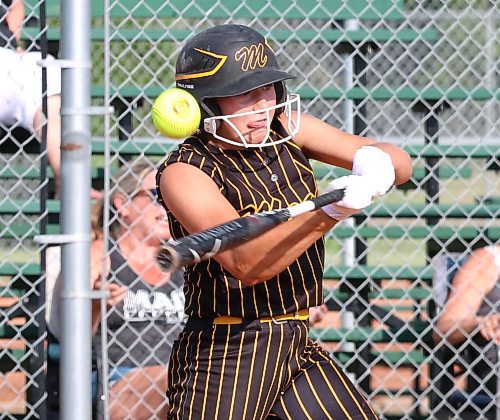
(165, 259)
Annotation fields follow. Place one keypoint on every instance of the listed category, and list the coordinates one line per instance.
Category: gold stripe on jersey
(235, 385)
(346, 386)
(214, 301)
(299, 400)
(262, 205)
(238, 192)
(281, 297)
(318, 399)
(240, 288)
(268, 303)
(207, 379)
(198, 289)
(176, 358)
(288, 416)
(224, 357)
(339, 402)
(293, 289)
(276, 367)
(256, 306)
(264, 373)
(250, 381)
(280, 203)
(214, 294)
(288, 182)
(319, 282)
(196, 369)
(303, 282)
(190, 157)
(298, 166)
(225, 284)
(274, 203)
(305, 168)
(287, 201)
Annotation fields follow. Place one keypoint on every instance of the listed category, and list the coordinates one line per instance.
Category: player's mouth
(256, 125)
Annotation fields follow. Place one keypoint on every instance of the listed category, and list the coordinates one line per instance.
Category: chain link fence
(422, 74)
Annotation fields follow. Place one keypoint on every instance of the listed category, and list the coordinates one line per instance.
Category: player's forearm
(401, 161)
(262, 258)
(455, 331)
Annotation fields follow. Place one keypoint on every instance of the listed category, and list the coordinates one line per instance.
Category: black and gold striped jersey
(252, 180)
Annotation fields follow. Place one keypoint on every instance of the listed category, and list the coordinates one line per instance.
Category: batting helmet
(228, 60)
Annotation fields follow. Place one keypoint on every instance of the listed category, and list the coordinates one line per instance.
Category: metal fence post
(75, 210)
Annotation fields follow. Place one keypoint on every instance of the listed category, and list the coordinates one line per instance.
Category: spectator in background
(474, 300)
(471, 316)
(146, 305)
(21, 87)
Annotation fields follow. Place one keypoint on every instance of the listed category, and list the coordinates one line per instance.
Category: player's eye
(245, 93)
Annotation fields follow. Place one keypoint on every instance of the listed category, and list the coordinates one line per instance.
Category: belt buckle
(278, 322)
(286, 318)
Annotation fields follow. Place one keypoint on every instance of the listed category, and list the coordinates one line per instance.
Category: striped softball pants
(256, 371)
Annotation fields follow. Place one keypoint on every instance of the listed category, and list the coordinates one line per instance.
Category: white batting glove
(376, 165)
(358, 193)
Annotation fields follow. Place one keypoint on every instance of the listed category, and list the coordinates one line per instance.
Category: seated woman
(145, 305)
(470, 322)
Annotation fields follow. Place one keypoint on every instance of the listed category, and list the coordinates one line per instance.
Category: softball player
(245, 352)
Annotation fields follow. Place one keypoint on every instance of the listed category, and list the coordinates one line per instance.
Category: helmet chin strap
(211, 124)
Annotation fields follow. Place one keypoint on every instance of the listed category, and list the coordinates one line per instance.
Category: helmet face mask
(211, 124)
(225, 61)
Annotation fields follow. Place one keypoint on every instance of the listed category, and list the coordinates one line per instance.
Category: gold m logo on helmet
(251, 57)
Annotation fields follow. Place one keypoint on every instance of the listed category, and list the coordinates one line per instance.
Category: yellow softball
(176, 114)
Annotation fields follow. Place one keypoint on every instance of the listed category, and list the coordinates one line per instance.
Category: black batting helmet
(227, 60)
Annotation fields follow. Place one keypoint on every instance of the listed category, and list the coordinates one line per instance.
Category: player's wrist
(375, 164)
(336, 214)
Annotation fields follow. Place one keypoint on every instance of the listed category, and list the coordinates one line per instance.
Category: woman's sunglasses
(151, 193)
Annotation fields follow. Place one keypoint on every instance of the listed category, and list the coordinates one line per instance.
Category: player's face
(254, 128)
(148, 218)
